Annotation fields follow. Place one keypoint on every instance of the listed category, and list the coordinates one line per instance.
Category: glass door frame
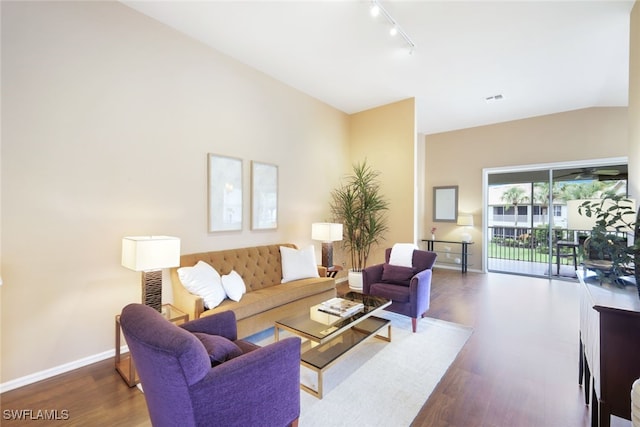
(549, 168)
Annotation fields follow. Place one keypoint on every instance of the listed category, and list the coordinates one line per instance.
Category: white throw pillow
(204, 281)
(234, 285)
(298, 264)
(402, 254)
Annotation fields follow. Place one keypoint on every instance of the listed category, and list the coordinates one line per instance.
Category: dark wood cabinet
(609, 348)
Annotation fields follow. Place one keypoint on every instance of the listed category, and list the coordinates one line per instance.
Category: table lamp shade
(465, 220)
(326, 232)
(150, 254)
(142, 253)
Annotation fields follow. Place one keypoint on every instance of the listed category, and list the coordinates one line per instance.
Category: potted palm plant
(614, 215)
(361, 208)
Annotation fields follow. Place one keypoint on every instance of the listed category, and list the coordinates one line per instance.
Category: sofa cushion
(220, 349)
(397, 275)
(298, 263)
(263, 300)
(233, 285)
(204, 281)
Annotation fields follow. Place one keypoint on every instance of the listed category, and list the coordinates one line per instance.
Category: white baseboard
(57, 370)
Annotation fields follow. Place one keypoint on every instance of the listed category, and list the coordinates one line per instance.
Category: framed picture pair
(225, 194)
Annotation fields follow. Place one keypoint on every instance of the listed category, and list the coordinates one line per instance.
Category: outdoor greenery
(614, 218)
(361, 208)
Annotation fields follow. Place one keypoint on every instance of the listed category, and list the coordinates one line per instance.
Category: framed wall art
(264, 196)
(445, 204)
(225, 193)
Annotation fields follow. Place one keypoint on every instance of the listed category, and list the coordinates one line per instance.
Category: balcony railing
(532, 244)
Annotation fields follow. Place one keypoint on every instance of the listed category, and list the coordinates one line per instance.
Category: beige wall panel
(458, 157)
(386, 137)
(107, 119)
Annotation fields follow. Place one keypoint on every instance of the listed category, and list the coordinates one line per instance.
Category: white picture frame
(264, 196)
(224, 179)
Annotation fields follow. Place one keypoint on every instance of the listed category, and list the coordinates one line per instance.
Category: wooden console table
(464, 252)
(609, 348)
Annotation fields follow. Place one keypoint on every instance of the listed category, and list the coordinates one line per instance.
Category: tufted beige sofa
(266, 300)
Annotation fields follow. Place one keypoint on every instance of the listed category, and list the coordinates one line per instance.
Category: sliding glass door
(532, 221)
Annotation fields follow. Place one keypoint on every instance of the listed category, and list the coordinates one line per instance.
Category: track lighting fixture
(377, 9)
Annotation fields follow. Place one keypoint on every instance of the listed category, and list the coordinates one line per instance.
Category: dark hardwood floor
(519, 368)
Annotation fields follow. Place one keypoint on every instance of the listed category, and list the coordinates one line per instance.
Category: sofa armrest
(222, 323)
(420, 289)
(371, 275)
(184, 300)
(322, 271)
(252, 378)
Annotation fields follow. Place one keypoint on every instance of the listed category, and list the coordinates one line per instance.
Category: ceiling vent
(494, 98)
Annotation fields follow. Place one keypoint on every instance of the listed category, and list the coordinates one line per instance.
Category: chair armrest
(258, 388)
(371, 275)
(222, 323)
(420, 290)
(184, 300)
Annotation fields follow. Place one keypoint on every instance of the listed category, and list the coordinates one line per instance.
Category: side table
(124, 362)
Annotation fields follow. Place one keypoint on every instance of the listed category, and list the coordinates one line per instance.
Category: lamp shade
(143, 253)
(465, 219)
(326, 231)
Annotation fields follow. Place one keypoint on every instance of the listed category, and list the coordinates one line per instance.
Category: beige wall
(634, 102)
(107, 119)
(386, 137)
(458, 158)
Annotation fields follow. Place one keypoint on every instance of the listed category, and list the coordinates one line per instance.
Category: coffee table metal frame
(332, 336)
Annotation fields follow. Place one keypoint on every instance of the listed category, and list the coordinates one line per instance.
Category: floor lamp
(150, 254)
(327, 232)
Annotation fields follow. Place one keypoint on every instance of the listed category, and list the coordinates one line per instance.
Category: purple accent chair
(261, 386)
(409, 289)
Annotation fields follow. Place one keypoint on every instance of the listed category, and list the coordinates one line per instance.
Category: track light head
(378, 9)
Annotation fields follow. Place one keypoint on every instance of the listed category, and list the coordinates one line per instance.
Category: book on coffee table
(340, 307)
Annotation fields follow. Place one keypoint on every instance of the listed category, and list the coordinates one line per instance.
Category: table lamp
(327, 232)
(150, 254)
(465, 220)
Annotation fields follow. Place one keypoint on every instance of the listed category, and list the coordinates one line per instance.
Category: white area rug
(381, 383)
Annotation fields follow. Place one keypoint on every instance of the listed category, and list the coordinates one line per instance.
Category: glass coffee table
(332, 336)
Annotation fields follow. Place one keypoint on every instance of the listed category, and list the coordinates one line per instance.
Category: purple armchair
(409, 289)
(248, 386)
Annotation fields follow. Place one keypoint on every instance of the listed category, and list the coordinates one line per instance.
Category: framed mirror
(445, 203)
(224, 177)
(264, 196)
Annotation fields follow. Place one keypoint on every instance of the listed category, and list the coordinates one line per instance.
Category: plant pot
(355, 280)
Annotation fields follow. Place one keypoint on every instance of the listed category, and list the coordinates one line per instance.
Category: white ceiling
(543, 56)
